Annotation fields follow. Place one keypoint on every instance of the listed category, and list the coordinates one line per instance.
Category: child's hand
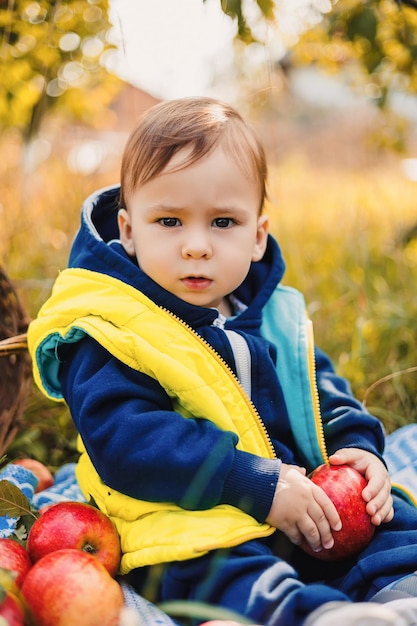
(302, 510)
(377, 493)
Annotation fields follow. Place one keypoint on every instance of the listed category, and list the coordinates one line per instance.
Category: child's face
(196, 230)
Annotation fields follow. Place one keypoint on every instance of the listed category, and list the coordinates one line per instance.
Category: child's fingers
(380, 512)
(316, 529)
(322, 519)
(379, 486)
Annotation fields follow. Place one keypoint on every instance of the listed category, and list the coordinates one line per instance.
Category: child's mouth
(197, 283)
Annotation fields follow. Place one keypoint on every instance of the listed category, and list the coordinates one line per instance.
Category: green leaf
(13, 501)
(364, 24)
(267, 7)
(23, 527)
(233, 8)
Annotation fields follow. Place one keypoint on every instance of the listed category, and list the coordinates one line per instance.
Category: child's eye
(223, 222)
(169, 222)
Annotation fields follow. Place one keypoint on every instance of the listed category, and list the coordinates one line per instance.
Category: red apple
(75, 525)
(14, 557)
(69, 587)
(11, 613)
(42, 473)
(344, 485)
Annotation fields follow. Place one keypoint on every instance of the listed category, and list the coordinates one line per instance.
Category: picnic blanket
(400, 456)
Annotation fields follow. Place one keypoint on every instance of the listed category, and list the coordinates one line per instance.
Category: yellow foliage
(31, 34)
(341, 235)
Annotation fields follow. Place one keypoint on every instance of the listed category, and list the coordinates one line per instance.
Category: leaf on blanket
(13, 501)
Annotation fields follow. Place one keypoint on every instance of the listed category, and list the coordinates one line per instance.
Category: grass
(341, 234)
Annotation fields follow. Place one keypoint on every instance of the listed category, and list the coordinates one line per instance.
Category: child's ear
(261, 238)
(125, 231)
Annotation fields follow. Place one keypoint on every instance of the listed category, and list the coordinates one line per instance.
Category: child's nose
(197, 246)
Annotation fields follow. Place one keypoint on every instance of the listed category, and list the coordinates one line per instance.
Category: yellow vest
(149, 339)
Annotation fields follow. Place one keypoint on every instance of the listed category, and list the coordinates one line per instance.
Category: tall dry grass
(343, 236)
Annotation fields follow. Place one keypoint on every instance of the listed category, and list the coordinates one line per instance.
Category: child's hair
(198, 124)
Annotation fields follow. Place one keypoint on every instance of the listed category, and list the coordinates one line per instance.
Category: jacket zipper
(314, 392)
(229, 370)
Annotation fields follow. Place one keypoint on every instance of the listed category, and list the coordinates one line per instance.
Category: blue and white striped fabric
(401, 457)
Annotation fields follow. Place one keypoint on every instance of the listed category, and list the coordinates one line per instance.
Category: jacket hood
(97, 247)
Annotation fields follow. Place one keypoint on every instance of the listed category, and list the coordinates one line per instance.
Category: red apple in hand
(13, 557)
(42, 473)
(75, 525)
(344, 485)
(70, 587)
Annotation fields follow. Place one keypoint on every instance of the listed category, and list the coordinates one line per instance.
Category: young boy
(200, 400)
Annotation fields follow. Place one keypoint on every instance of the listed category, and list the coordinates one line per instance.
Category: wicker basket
(15, 365)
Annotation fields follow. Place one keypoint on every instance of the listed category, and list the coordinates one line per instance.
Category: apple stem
(89, 549)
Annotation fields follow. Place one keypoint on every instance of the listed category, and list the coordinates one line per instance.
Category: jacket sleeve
(347, 424)
(140, 446)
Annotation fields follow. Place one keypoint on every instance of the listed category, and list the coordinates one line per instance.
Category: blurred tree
(52, 56)
(374, 42)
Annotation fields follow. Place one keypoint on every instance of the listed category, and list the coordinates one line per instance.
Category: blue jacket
(139, 444)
